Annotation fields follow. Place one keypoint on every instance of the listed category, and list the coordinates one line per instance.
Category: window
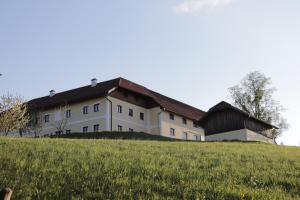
(96, 107)
(130, 129)
(195, 124)
(119, 109)
(120, 128)
(57, 132)
(197, 137)
(46, 118)
(85, 110)
(172, 131)
(141, 116)
(130, 112)
(68, 114)
(183, 120)
(96, 127)
(171, 116)
(185, 135)
(68, 131)
(85, 129)
(125, 94)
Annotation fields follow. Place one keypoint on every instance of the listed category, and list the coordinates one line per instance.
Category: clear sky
(191, 50)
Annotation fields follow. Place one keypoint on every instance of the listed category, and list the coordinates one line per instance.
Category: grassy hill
(124, 169)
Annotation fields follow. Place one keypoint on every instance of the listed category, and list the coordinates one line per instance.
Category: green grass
(123, 169)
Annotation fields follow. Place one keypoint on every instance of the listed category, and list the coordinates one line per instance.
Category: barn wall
(242, 135)
(231, 135)
(223, 121)
(253, 136)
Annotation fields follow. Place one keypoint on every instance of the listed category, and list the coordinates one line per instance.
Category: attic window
(195, 124)
(171, 116)
(136, 98)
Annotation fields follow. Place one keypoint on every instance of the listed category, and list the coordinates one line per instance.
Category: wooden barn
(226, 122)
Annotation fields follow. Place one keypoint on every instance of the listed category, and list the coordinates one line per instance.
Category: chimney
(94, 82)
(52, 93)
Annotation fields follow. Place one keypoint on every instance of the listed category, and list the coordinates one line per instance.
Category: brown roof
(88, 92)
(225, 106)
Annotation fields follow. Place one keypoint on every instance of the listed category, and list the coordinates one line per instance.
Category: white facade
(83, 118)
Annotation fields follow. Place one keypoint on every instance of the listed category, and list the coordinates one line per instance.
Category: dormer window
(171, 116)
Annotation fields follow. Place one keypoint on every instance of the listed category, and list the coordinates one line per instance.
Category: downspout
(110, 102)
(159, 119)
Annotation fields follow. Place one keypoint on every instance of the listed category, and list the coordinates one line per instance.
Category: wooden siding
(223, 121)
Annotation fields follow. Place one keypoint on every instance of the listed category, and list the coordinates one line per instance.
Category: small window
(136, 98)
(185, 135)
(141, 116)
(46, 118)
(96, 127)
(96, 107)
(68, 131)
(172, 131)
(171, 116)
(195, 124)
(119, 109)
(183, 120)
(130, 129)
(120, 128)
(57, 132)
(68, 114)
(85, 129)
(130, 112)
(85, 110)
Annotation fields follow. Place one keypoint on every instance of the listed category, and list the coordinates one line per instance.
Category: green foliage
(254, 95)
(123, 169)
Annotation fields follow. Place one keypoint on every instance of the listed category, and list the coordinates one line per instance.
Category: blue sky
(191, 50)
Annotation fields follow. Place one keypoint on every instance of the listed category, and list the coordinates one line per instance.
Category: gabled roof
(102, 89)
(226, 106)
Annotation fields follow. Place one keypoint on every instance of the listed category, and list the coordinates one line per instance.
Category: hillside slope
(123, 169)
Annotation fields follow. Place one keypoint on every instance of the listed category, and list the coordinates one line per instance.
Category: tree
(35, 124)
(254, 95)
(13, 114)
(61, 119)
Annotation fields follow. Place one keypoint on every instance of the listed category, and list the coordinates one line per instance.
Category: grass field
(123, 169)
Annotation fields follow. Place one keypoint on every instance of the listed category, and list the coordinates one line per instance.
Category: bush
(115, 135)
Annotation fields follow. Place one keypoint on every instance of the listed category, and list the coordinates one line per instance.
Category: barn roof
(226, 106)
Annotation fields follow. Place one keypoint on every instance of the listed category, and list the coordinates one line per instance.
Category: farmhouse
(121, 105)
(117, 105)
